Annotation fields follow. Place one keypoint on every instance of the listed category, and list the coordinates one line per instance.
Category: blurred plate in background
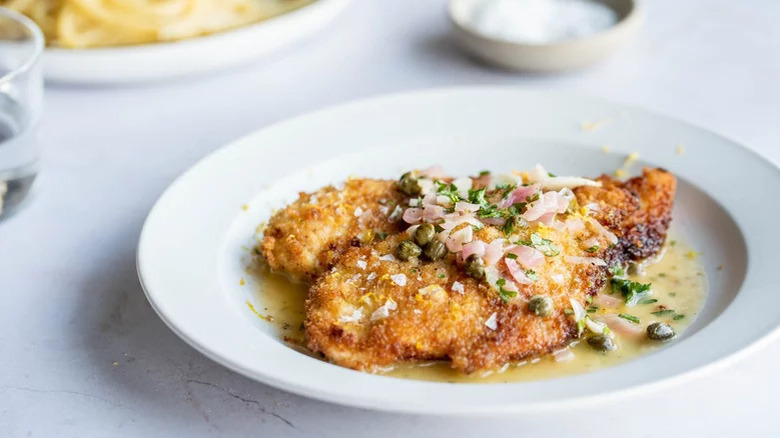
(149, 62)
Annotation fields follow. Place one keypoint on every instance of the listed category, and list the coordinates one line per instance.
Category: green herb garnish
(648, 301)
(678, 317)
(592, 309)
(569, 311)
(448, 190)
(490, 211)
(663, 312)
(478, 197)
(532, 275)
(628, 317)
(506, 189)
(484, 172)
(632, 291)
(593, 248)
(512, 256)
(617, 270)
(509, 227)
(380, 235)
(546, 246)
(503, 293)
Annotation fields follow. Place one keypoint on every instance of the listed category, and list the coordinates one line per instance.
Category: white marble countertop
(83, 354)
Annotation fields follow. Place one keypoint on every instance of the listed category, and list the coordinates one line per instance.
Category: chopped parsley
(509, 227)
(628, 317)
(593, 248)
(380, 235)
(648, 301)
(678, 317)
(512, 256)
(515, 209)
(442, 275)
(503, 293)
(632, 291)
(592, 309)
(514, 222)
(617, 270)
(448, 190)
(532, 275)
(484, 172)
(490, 210)
(569, 311)
(478, 197)
(506, 189)
(546, 246)
(663, 312)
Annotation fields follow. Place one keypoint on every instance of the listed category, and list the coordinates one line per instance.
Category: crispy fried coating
(639, 211)
(303, 239)
(431, 319)
(370, 311)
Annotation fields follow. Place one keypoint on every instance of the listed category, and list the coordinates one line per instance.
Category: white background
(72, 306)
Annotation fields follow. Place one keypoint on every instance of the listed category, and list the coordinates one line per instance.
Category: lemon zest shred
(258, 314)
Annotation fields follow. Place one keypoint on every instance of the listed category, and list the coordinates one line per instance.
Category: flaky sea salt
(492, 322)
(399, 279)
(457, 287)
(538, 21)
(384, 311)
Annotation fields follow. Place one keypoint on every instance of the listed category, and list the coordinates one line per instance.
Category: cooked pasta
(97, 23)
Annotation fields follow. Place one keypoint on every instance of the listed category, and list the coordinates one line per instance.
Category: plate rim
(677, 377)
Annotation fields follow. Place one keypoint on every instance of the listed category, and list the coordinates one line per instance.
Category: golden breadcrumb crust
(431, 320)
(305, 238)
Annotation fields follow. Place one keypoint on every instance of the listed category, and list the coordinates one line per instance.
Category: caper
(516, 222)
(408, 250)
(660, 331)
(540, 305)
(408, 184)
(424, 234)
(601, 343)
(435, 250)
(474, 266)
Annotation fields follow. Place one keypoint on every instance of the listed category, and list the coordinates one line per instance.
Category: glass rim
(38, 44)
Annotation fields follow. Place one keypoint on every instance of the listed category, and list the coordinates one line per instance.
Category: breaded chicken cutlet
(510, 286)
(305, 238)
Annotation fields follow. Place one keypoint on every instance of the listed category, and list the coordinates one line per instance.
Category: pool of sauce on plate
(679, 283)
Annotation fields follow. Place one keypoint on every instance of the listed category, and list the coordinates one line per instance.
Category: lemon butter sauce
(679, 288)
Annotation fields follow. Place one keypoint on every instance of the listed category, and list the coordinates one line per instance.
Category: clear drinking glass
(21, 92)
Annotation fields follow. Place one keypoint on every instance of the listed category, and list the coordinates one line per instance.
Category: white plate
(147, 62)
(192, 250)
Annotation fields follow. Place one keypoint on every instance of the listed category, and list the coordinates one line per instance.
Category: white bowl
(552, 57)
(193, 248)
